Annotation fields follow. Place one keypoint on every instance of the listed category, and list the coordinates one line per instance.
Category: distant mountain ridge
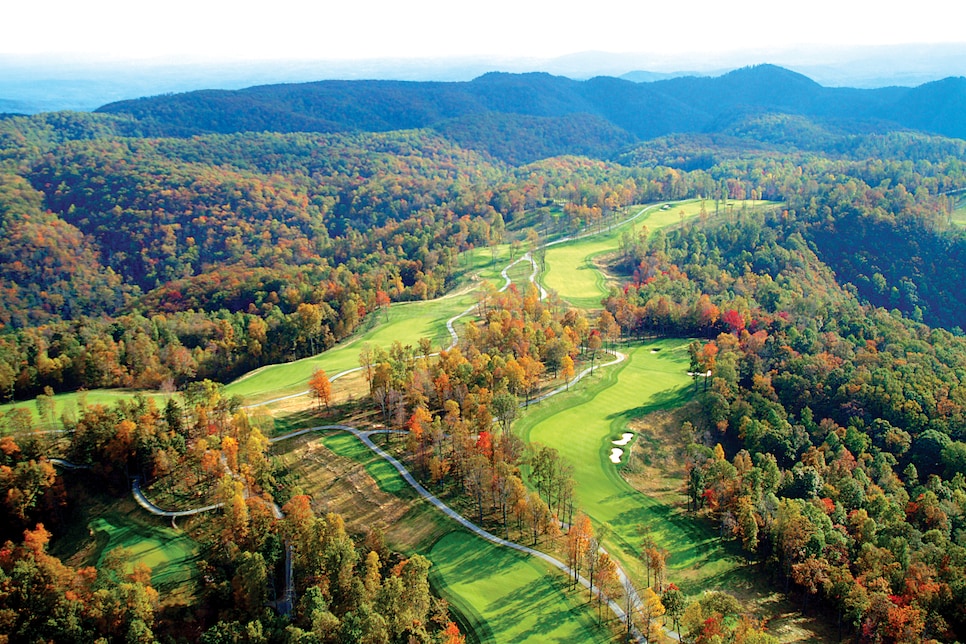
(627, 110)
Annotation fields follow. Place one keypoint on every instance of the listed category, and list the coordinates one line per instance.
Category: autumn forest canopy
(176, 243)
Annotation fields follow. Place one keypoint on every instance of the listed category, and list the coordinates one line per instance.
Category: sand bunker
(615, 455)
(625, 439)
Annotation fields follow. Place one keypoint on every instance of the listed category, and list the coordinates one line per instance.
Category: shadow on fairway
(666, 399)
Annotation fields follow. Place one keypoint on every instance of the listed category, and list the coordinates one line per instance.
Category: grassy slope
(958, 215)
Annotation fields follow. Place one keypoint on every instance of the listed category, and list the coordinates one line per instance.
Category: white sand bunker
(625, 439)
(615, 455)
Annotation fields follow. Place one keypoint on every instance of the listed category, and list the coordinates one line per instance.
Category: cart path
(365, 436)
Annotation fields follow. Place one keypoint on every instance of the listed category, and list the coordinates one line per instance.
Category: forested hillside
(178, 242)
(637, 110)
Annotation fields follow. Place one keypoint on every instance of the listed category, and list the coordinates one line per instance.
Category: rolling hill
(621, 111)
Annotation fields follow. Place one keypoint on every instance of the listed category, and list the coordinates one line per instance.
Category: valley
(510, 363)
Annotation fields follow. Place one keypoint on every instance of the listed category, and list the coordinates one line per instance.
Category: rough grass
(342, 475)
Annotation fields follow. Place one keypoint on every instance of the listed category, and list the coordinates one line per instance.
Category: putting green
(581, 426)
(510, 597)
(169, 553)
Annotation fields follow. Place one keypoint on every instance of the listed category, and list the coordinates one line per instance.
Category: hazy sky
(353, 29)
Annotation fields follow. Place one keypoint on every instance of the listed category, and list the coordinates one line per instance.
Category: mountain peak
(768, 73)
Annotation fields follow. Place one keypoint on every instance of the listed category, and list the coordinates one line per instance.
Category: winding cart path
(365, 436)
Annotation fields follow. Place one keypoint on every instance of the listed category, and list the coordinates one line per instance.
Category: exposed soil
(342, 485)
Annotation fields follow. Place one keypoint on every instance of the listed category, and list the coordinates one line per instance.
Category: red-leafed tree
(382, 301)
(733, 320)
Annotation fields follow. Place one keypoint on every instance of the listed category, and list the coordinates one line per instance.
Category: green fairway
(407, 323)
(169, 553)
(510, 597)
(70, 403)
(581, 426)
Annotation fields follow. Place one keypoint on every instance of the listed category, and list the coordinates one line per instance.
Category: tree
(608, 326)
(578, 541)
(23, 485)
(673, 600)
(651, 608)
(545, 469)
(656, 559)
(594, 344)
(567, 370)
(478, 471)
(321, 388)
(607, 580)
(250, 583)
(452, 635)
(538, 514)
(811, 575)
(382, 302)
(368, 357)
(506, 408)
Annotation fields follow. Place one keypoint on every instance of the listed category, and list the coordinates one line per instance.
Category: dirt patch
(342, 485)
(655, 465)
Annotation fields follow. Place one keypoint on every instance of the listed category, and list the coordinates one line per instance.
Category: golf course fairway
(511, 597)
(581, 424)
(168, 552)
(407, 323)
(502, 595)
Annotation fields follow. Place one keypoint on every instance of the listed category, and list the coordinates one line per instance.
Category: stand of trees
(836, 453)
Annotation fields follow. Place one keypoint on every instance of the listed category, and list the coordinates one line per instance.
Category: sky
(378, 29)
